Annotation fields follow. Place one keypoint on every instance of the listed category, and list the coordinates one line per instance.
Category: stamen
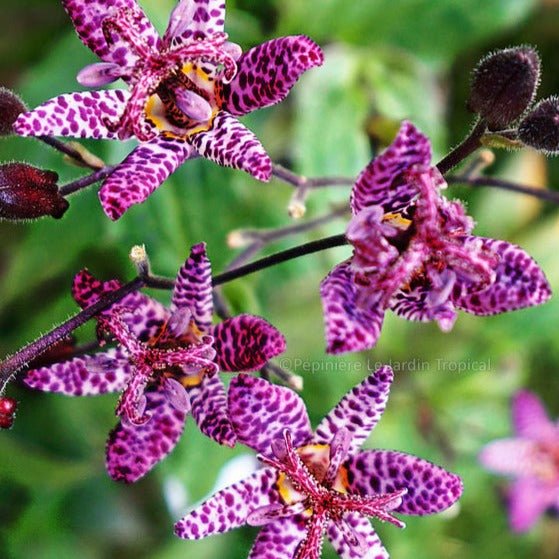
(192, 105)
(177, 395)
(100, 73)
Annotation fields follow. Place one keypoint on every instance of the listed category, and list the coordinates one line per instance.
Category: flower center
(313, 481)
(175, 87)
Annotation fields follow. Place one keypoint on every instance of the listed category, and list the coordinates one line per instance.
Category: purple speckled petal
(267, 72)
(132, 450)
(530, 419)
(246, 343)
(517, 457)
(193, 288)
(519, 282)
(419, 302)
(195, 19)
(361, 527)
(528, 500)
(231, 144)
(141, 173)
(260, 411)
(229, 508)
(209, 410)
(380, 183)
(76, 115)
(349, 327)
(88, 16)
(431, 489)
(358, 411)
(146, 316)
(279, 539)
(86, 375)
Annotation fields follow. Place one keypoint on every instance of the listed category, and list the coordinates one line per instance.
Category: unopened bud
(27, 192)
(8, 407)
(139, 257)
(11, 106)
(540, 128)
(504, 84)
(239, 239)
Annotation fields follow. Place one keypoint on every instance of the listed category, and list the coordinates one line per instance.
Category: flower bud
(8, 408)
(504, 84)
(11, 106)
(540, 127)
(27, 192)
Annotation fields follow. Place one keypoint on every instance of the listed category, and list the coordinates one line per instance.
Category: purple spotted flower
(531, 457)
(318, 483)
(185, 91)
(165, 364)
(414, 253)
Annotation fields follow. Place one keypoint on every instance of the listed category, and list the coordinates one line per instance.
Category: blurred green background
(385, 59)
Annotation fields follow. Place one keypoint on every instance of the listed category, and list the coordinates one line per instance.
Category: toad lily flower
(414, 253)
(185, 91)
(165, 364)
(318, 482)
(532, 457)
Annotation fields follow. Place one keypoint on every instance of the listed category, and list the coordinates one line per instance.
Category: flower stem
(541, 193)
(86, 181)
(285, 175)
(66, 150)
(461, 151)
(18, 360)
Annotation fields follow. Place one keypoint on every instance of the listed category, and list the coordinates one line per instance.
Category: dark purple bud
(27, 192)
(8, 408)
(504, 84)
(540, 127)
(11, 106)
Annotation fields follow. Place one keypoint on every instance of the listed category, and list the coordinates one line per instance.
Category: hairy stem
(86, 181)
(461, 151)
(18, 360)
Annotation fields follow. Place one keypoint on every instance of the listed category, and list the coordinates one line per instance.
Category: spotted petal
(381, 183)
(267, 72)
(246, 343)
(144, 317)
(358, 411)
(517, 457)
(349, 327)
(519, 282)
(279, 539)
(133, 450)
(88, 17)
(231, 144)
(229, 508)
(528, 500)
(361, 526)
(76, 115)
(431, 489)
(530, 418)
(209, 410)
(141, 173)
(86, 375)
(260, 411)
(193, 287)
(195, 19)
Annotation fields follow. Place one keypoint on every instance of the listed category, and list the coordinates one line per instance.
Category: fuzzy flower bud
(540, 128)
(11, 106)
(504, 84)
(8, 408)
(27, 192)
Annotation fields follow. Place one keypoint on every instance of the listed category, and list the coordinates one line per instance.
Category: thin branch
(18, 360)
(540, 193)
(66, 150)
(299, 181)
(86, 181)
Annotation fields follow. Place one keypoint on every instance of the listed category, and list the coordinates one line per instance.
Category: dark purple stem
(299, 181)
(18, 360)
(86, 181)
(66, 150)
(541, 193)
(461, 151)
